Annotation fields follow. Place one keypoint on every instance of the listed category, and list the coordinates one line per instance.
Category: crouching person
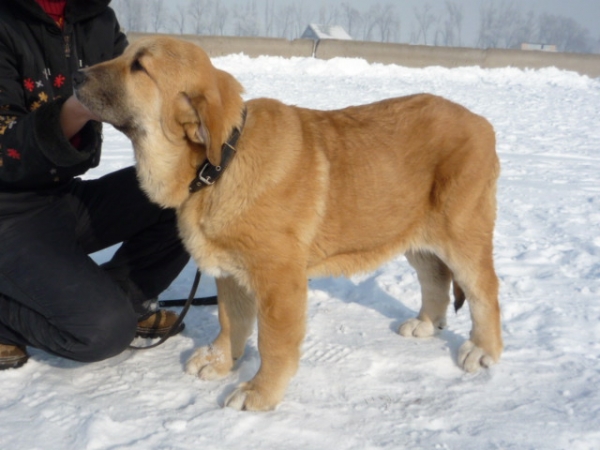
(53, 296)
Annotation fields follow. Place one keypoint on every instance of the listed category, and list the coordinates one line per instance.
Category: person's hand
(73, 116)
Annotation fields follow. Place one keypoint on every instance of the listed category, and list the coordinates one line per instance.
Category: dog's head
(163, 93)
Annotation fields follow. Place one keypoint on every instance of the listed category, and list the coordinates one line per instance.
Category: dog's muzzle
(79, 78)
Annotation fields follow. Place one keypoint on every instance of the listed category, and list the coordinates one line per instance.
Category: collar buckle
(207, 179)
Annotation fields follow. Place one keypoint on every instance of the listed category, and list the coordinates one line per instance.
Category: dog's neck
(208, 173)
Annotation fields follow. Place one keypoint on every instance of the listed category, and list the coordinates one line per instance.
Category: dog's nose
(79, 78)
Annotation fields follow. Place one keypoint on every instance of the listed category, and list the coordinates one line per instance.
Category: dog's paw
(472, 358)
(416, 328)
(246, 398)
(208, 364)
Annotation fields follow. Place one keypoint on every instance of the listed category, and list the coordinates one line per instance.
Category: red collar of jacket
(55, 9)
(75, 10)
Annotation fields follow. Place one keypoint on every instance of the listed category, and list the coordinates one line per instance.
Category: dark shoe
(12, 356)
(155, 324)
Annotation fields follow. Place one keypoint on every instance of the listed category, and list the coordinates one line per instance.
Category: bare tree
(219, 19)
(487, 22)
(456, 13)
(425, 20)
(156, 12)
(501, 25)
(450, 33)
(329, 15)
(246, 20)
(513, 26)
(522, 30)
(132, 14)
(301, 18)
(179, 18)
(388, 24)
(269, 17)
(565, 33)
(370, 22)
(351, 19)
(284, 18)
(197, 11)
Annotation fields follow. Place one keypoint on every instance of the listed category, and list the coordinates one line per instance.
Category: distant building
(318, 32)
(539, 47)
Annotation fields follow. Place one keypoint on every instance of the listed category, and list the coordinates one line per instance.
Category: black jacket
(37, 61)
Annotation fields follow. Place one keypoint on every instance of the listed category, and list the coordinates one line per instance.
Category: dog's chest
(203, 245)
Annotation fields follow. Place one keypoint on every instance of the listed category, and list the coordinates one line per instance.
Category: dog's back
(384, 177)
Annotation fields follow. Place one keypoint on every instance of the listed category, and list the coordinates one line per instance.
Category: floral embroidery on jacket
(29, 84)
(59, 80)
(12, 153)
(6, 122)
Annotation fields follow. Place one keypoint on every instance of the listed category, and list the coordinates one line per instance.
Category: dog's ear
(200, 115)
(210, 110)
(210, 115)
(187, 117)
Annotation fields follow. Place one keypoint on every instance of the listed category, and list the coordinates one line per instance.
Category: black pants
(53, 296)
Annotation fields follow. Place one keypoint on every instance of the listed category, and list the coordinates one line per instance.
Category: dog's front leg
(237, 313)
(281, 297)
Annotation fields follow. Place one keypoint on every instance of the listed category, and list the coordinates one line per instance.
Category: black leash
(207, 175)
(198, 301)
(179, 320)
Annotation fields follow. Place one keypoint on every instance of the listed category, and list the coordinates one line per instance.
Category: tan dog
(307, 193)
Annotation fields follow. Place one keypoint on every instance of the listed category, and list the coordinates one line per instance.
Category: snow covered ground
(360, 385)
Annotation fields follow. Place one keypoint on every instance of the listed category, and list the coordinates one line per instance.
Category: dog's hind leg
(237, 314)
(473, 268)
(434, 278)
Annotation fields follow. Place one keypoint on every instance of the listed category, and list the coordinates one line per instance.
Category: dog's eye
(136, 66)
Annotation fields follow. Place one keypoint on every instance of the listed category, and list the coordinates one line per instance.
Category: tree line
(502, 24)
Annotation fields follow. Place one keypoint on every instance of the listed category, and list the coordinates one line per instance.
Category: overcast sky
(585, 12)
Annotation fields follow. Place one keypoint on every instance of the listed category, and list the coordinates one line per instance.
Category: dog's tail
(459, 295)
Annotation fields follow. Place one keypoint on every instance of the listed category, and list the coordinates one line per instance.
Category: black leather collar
(208, 174)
